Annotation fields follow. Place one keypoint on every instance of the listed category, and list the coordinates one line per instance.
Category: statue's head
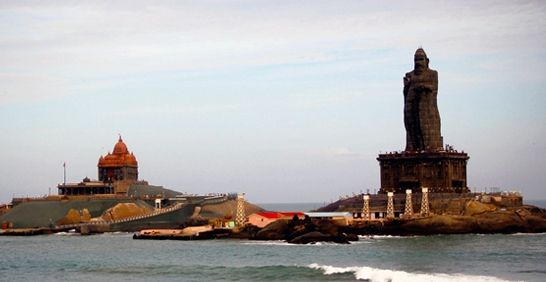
(420, 61)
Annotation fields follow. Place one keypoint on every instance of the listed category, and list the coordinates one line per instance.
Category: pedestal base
(441, 172)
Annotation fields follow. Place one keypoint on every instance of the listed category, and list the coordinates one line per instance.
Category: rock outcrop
(303, 232)
(123, 210)
(528, 219)
(476, 208)
(74, 217)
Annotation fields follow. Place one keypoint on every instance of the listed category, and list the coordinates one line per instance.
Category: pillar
(424, 202)
(366, 207)
(240, 218)
(390, 205)
(408, 210)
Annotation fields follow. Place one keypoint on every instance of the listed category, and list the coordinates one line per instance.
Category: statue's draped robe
(421, 116)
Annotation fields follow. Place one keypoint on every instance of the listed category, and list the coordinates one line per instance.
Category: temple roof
(120, 157)
(120, 148)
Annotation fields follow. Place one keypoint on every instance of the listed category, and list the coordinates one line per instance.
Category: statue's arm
(431, 85)
(407, 81)
(434, 82)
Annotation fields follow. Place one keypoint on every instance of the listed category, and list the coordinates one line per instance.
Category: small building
(261, 219)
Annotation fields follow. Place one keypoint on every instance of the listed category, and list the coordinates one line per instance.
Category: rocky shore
(305, 231)
(527, 219)
(477, 218)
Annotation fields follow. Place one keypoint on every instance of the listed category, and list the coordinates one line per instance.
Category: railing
(423, 152)
(215, 200)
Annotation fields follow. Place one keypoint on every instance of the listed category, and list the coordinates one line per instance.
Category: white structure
(408, 210)
(366, 207)
(390, 205)
(240, 218)
(424, 202)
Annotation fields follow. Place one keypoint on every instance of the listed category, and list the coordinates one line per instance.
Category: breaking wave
(384, 275)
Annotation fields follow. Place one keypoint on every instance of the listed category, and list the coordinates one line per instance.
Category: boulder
(351, 237)
(317, 236)
(124, 210)
(536, 223)
(475, 208)
(311, 237)
(328, 227)
(72, 217)
(442, 224)
(86, 215)
(276, 230)
(94, 229)
(501, 222)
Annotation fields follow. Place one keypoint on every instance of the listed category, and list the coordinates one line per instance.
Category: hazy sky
(286, 101)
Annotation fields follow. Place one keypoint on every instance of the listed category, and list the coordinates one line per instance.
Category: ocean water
(117, 257)
(536, 203)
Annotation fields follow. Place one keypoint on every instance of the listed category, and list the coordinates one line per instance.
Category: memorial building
(116, 172)
(426, 162)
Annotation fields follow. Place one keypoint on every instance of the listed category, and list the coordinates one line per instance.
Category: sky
(285, 101)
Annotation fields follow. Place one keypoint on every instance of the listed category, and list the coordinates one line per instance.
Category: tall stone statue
(421, 116)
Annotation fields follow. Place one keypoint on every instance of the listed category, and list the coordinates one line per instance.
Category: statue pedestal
(441, 172)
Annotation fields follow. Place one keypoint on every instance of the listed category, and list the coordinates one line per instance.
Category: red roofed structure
(116, 171)
(261, 219)
(119, 165)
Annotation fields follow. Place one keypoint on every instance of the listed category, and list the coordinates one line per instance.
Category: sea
(118, 257)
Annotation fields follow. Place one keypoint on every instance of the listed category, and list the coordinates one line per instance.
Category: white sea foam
(107, 234)
(383, 237)
(380, 237)
(528, 234)
(385, 275)
(71, 232)
(268, 243)
(284, 243)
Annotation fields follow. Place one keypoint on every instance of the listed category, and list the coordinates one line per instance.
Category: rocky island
(423, 191)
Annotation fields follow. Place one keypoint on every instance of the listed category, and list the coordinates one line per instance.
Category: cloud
(171, 109)
(332, 152)
(17, 87)
(71, 42)
(339, 151)
(145, 31)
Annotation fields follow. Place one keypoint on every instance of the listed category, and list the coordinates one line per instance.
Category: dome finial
(119, 137)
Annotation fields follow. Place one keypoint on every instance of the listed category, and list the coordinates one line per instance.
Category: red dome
(120, 157)
(120, 148)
